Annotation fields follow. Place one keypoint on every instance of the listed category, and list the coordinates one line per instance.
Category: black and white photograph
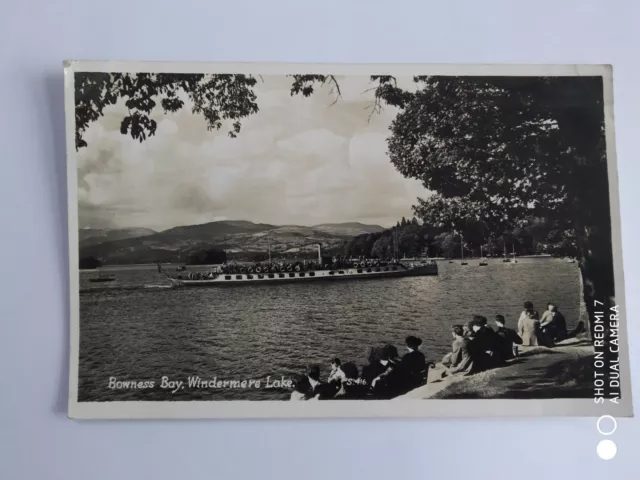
(343, 240)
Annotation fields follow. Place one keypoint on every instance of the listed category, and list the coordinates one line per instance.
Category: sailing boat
(505, 259)
(182, 267)
(483, 261)
(102, 278)
(513, 247)
(462, 262)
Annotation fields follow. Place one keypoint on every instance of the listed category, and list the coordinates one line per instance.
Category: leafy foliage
(217, 97)
(536, 236)
(491, 147)
(305, 85)
(210, 256)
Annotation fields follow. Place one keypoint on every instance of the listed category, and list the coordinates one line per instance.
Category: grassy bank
(565, 371)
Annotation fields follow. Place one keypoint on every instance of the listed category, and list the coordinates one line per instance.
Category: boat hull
(102, 279)
(224, 280)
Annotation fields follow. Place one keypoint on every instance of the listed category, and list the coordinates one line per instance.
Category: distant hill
(351, 228)
(92, 236)
(213, 230)
(241, 239)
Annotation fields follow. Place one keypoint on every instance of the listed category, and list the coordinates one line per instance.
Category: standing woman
(529, 329)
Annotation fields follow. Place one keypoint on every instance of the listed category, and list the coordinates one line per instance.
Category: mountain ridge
(237, 237)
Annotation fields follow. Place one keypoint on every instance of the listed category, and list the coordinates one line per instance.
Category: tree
(89, 263)
(211, 256)
(505, 149)
(448, 245)
(382, 248)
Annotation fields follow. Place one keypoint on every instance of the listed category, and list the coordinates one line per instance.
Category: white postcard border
(398, 408)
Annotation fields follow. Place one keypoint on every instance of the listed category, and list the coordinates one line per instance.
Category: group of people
(387, 375)
(304, 266)
(477, 347)
(270, 267)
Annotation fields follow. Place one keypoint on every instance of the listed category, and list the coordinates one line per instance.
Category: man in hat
(508, 339)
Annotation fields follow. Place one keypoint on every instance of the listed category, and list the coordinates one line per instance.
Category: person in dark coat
(319, 390)
(301, 388)
(487, 347)
(413, 364)
(509, 338)
(374, 367)
(351, 386)
(386, 383)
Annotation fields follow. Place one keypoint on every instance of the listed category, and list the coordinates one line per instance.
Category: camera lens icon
(606, 449)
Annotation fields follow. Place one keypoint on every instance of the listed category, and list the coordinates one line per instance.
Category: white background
(37, 441)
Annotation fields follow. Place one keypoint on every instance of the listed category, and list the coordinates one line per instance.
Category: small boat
(102, 278)
(106, 278)
(505, 259)
(483, 261)
(462, 262)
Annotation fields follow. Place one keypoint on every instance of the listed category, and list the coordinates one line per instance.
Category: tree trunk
(581, 121)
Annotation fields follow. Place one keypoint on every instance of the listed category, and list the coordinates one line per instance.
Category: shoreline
(443, 259)
(564, 371)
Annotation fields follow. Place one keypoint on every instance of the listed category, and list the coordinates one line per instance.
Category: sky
(298, 161)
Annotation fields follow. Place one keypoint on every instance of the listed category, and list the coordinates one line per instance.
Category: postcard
(318, 240)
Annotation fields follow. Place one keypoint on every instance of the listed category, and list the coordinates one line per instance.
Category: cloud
(297, 161)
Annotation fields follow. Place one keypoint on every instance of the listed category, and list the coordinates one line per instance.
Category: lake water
(137, 329)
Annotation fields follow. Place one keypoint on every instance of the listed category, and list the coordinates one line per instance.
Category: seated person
(553, 324)
(336, 374)
(413, 365)
(487, 344)
(386, 382)
(301, 388)
(351, 386)
(508, 339)
(528, 307)
(460, 360)
(319, 390)
(374, 367)
(529, 330)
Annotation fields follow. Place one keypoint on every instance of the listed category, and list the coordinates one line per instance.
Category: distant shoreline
(408, 260)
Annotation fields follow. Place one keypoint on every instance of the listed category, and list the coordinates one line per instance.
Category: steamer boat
(324, 269)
